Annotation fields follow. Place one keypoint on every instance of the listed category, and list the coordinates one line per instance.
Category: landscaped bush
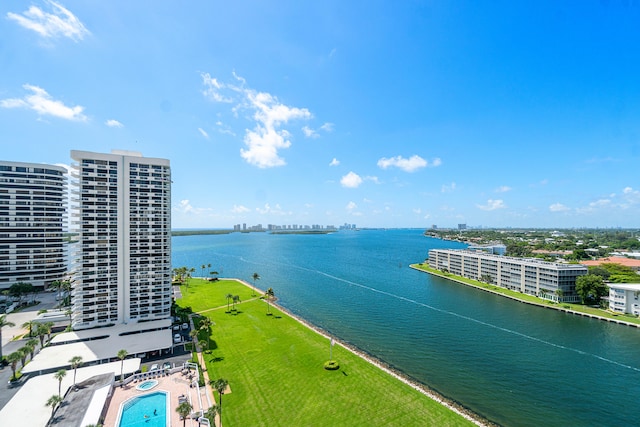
(331, 365)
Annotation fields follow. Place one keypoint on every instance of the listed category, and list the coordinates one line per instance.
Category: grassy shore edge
(484, 287)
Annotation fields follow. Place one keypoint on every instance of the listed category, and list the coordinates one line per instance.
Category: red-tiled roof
(627, 262)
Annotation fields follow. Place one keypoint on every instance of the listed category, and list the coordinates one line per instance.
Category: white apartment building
(32, 222)
(122, 262)
(624, 297)
(526, 275)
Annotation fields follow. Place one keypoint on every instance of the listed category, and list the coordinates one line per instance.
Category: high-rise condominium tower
(122, 263)
(32, 222)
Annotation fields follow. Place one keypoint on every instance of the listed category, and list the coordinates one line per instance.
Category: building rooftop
(627, 262)
(102, 343)
(625, 286)
(28, 404)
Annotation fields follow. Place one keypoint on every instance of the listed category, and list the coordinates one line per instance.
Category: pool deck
(176, 384)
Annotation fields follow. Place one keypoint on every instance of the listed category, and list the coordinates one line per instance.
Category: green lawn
(530, 298)
(274, 366)
(203, 295)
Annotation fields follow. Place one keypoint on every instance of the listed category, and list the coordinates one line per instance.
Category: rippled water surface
(510, 362)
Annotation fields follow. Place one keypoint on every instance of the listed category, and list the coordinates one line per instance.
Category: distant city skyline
(385, 114)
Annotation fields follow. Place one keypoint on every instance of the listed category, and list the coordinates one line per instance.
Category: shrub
(331, 365)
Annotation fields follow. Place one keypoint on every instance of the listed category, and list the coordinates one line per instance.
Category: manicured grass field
(274, 366)
(530, 298)
(203, 295)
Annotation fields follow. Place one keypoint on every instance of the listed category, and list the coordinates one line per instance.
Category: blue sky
(378, 113)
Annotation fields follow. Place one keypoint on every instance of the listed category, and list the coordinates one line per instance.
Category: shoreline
(535, 304)
(396, 373)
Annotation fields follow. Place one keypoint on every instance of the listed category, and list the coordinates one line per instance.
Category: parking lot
(180, 332)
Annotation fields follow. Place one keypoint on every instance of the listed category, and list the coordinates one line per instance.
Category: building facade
(624, 298)
(530, 276)
(122, 261)
(32, 223)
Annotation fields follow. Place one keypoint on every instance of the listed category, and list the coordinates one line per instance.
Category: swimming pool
(147, 410)
(147, 385)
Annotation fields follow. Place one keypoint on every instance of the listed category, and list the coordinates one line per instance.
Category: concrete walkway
(207, 389)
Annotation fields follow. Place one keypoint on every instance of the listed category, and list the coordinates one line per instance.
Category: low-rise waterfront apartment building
(526, 275)
(32, 223)
(624, 298)
(122, 261)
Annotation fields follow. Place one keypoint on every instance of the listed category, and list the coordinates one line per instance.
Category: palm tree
(209, 268)
(211, 413)
(53, 401)
(23, 352)
(41, 331)
(229, 297)
(76, 362)
(236, 299)
(205, 324)
(29, 348)
(184, 409)
(60, 376)
(202, 267)
(48, 326)
(66, 287)
(31, 344)
(122, 354)
(255, 277)
(193, 334)
(559, 292)
(13, 359)
(4, 322)
(190, 274)
(268, 295)
(204, 344)
(68, 313)
(220, 385)
(30, 324)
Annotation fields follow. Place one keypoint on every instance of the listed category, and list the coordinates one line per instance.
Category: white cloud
(276, 210)
(411, 164)
(351, 206)
(263, 146)
(269, 115)
(310, 133)
(327, 127)
(59, 22)
(334, 162)
(417, 211)
(42, 103)
(351, 180)
(184, 206)
(373, 179)
(240, 209)
(503, 189)
(558, 207)
(492, 205)
(448, 188)
(212, 89)
(203, 133)
(113, 123)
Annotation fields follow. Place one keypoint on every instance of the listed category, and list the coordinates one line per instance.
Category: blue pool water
(148, 410)
(147, 385)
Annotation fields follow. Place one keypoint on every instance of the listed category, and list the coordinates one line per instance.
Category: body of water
(510, 362)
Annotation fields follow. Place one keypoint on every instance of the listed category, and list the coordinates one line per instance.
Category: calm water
(512, 363)
(149, 410)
